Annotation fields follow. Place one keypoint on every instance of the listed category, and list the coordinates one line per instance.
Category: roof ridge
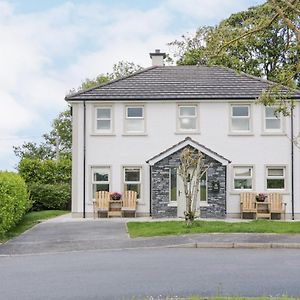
(110, 82)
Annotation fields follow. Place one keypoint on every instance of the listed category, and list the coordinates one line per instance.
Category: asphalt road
(157, 273)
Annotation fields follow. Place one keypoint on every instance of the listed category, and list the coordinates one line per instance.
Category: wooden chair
(276, 203)
(129, 203)
(247, 202)
(102, 203)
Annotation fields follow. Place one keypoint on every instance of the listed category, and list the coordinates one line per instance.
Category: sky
(48, 47)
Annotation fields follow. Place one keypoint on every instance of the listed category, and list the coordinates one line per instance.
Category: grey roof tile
(179, 82)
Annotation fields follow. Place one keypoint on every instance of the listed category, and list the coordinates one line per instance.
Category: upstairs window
(134, 119)
(272, 122)
(103, 119)
(240, 118)
(242, 178)
(187, 117)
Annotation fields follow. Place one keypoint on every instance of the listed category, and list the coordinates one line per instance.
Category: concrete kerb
(238, 245)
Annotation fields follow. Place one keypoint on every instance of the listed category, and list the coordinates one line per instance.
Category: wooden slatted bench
(247, 203)
(277, 206)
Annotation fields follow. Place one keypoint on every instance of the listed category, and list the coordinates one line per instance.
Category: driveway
(49, 237)
(64, 234)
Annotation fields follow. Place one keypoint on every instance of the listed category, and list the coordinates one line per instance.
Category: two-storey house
(128, 135)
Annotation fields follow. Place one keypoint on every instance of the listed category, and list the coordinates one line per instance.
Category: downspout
(150, 193)
(292, 162)
(226, 169)
(84, 154)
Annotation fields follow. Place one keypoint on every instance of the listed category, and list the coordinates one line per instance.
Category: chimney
(157, 58)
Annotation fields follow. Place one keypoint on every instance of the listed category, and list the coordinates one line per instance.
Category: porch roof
(188, 142)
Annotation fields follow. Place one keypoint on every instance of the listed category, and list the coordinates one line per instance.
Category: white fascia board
(182, 145)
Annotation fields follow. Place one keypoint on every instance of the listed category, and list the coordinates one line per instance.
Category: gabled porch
(167, 196)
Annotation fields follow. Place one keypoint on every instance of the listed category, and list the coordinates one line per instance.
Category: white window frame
(172, 202)
(179, 117)
(244, 177)
(265, 118)
(249, 117)
(284, 177)
(133, 182)
(127, 118)
(93, 170)
(204, 202)
(103, 131)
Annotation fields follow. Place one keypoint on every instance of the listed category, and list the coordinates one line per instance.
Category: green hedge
(14, 200)
(49, 182)
(46, 171)
(50, 196)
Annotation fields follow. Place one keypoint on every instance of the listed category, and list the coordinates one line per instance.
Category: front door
(181, 200)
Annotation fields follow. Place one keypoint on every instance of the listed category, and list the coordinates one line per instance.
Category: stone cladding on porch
(160, 206)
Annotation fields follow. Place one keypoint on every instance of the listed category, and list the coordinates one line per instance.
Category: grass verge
(147, 229)
(29, 220)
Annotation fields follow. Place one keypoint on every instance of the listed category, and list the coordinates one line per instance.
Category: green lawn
(146, 229)
(31, 219)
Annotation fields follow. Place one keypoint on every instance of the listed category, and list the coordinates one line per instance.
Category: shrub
(49, 182)
(50, 196)
(46, 171)
(14, 200)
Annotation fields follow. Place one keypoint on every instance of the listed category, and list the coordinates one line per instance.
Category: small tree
(191, 169)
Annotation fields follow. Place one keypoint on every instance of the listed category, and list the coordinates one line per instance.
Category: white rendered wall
(120, 150)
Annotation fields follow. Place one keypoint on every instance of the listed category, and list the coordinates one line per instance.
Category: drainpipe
(292, 162)
(150, 186)
(84, 154)
(225, 191)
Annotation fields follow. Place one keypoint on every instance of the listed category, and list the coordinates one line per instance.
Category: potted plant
(261, 197)
(115, 196)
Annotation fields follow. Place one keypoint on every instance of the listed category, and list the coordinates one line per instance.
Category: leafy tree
(262, 41)
(60, 137)
(191, 169)
(124, 68)
(192, 50)
(90, 83)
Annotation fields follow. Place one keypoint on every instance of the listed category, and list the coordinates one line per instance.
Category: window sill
(186, 132)
(273, 134)
(172, 204)
(135, 134)
(206, 204)
(283, 192)
(102, 134)
(241, 134)
(237, 192)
